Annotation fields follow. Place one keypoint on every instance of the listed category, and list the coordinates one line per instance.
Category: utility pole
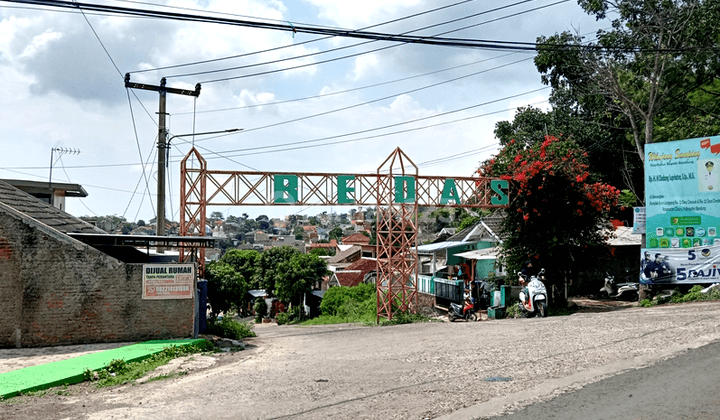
(162, 143)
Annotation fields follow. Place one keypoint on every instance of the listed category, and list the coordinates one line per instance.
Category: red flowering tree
(558, 212)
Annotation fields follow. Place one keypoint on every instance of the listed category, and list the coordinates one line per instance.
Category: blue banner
(682, 186)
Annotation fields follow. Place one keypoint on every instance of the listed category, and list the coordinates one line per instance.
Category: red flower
(526, 217)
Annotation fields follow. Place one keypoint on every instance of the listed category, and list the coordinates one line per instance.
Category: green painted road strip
(70, 371)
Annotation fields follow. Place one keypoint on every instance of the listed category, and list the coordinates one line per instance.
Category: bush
(282, 318)
(513, 311)
(260, 309)
(230, 328)
(646, 303)
(347, 301)
(405, 318)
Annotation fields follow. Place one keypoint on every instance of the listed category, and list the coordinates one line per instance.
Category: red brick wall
(55, 290)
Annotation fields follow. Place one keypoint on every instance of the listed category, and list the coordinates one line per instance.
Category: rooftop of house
(38, 187)
(43, 212)
(349, 278)
(358, 238)
(365, 265)
(344, 255)
(332, 244)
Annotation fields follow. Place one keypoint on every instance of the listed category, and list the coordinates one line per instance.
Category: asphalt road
(683, 387)
(435, 370)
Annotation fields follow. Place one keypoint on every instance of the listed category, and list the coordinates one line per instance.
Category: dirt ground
(436, 370)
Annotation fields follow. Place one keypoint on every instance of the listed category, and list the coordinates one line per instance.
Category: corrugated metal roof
(43, 212)
(440, 245)
(480, 254)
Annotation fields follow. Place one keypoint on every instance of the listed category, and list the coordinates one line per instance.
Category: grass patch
(229, 328)
(120, 372)
(406, 318)
(693, 295)
(341, 319)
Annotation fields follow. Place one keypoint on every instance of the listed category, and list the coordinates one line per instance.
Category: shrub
(282, 318)
(260, 309)
(405, 318)
(344, 301)
(646, 303)
(230, 328)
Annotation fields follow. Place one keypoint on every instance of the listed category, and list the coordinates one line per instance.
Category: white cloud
(358, 14)
(60, 86)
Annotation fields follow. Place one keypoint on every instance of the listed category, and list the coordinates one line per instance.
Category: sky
(300, 105)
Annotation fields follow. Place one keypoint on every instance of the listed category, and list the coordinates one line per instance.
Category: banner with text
(682, 187)
(693, 265)
(168, 281)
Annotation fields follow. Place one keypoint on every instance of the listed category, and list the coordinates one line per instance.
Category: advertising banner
(693, 265)
(168, 281)
(638, 220)
(682, 187)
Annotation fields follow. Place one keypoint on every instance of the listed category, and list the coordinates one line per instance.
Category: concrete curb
(70, 371)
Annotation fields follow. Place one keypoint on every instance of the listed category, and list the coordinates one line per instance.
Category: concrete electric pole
(162, 143)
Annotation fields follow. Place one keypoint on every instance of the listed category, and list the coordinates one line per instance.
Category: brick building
(55, 289)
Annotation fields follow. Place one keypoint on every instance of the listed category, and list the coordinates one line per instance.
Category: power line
(355, 45)
(263, 73)
(297, 44)
(378, 99)
(339, 92)
(340, 32)
(117, 165)
(373, 129)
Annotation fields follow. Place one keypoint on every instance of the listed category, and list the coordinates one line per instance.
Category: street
(436, 370)
(685, 386)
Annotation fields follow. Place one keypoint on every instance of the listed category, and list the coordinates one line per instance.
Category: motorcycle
(536, 297)
(621, 291)
(456, 312)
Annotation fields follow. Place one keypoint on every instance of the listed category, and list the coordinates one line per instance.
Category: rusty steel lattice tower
(193, 202)
(396, 189)
(396, 237)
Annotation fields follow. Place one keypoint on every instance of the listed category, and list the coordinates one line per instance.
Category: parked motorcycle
(620, 291)
(456, 312)
(484, 297)
(535, 302)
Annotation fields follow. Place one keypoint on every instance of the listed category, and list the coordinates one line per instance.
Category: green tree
(229, 279)
(647, 66)
(299, 233)
(558, 210)
(215, 216)
(244, 262)
(336, 233)
(297, 276)
(267, 266)
(226, 287)
(323, 252)
(590, 125)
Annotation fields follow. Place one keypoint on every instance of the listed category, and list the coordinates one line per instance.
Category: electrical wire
(264, 73)
(339, 92)
(341, 32)
(364, 138)
(247, 130)
(143, 166)
(296, 44)
(258, 148)
(353, 46)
